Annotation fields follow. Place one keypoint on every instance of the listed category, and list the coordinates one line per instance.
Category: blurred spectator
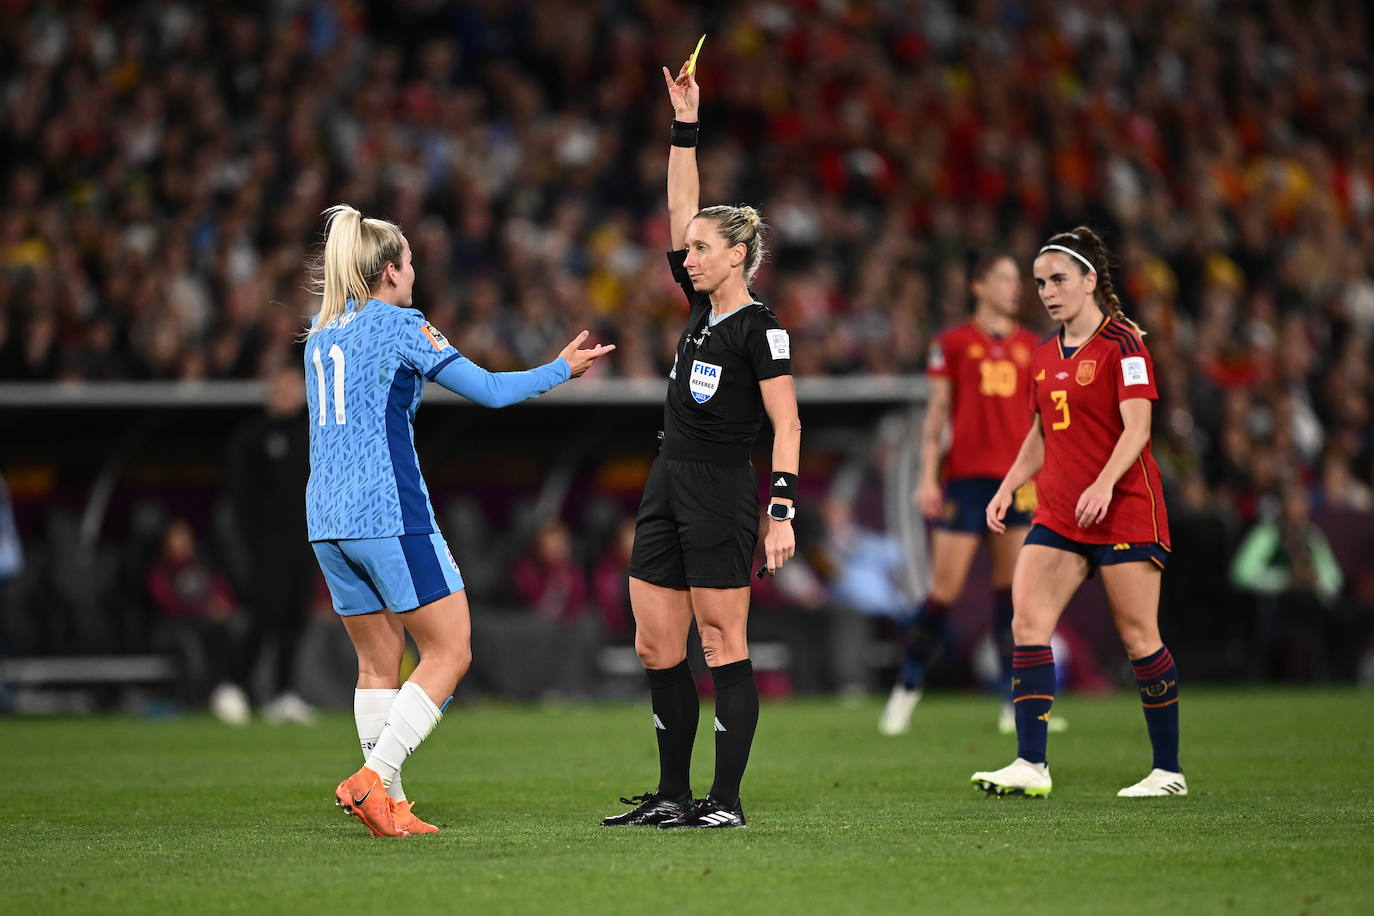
(1339, 489)
(201, 619)
(269, 463)
(548, 578)
(1197, 605)
(1288, 566)
(611, 583)
(867, 567)
(554, 588)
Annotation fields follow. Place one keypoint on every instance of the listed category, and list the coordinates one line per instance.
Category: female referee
(979, 374)
(1101, 507)
(699, 518)
(367, 356)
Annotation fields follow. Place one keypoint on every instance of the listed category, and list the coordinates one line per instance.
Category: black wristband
(784, 486)
(683, 133)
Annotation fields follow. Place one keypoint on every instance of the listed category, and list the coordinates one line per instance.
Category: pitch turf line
(119, 815)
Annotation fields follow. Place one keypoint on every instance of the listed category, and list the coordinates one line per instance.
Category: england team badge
(704, 381)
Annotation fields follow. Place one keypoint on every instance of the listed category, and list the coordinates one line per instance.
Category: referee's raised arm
(684, 187)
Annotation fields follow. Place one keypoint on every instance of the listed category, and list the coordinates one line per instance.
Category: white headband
(1086, 263)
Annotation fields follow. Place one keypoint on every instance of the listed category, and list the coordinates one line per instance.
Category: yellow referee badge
(692, 61)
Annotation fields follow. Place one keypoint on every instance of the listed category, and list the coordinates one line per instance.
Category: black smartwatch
(781, 512)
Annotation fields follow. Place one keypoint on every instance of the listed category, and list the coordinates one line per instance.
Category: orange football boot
(363, 796)
(406, 820)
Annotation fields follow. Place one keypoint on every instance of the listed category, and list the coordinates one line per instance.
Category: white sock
(370, 707)
(411, 718)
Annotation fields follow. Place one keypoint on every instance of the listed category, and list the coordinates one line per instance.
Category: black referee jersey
(713, 389)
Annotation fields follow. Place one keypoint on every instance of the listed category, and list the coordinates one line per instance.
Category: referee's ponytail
(740, 226)
(356, 251)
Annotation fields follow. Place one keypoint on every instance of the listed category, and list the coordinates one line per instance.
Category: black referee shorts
(699, 519)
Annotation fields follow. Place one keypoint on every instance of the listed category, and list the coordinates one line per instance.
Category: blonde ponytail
(356, 251)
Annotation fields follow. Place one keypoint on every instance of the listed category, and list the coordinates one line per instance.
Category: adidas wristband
(784, 486)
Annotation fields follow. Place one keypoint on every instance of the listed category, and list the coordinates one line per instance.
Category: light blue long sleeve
(500, 389)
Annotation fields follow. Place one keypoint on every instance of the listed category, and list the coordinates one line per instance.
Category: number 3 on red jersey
(1061, 403)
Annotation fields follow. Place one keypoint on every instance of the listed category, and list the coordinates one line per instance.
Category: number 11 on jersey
(337, 356)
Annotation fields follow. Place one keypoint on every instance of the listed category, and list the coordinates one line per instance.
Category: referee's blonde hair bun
(742, 225)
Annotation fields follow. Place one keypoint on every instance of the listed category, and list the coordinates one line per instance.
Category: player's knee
(453, 659)
(657, 653)
(717, 644)
(1139, 641)
(461, 660)
(379, 669)
(1026, 631)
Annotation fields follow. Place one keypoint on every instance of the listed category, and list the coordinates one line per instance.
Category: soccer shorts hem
(966, 505)
(398, 574)
(1101, 554)
(697, 525)
(661, 579)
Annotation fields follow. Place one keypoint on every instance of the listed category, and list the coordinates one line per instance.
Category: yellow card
(692, 61)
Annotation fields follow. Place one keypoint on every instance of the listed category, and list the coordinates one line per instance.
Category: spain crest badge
(1087, 371)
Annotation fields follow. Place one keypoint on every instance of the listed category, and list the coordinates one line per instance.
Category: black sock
(676, 709)
(737, 715)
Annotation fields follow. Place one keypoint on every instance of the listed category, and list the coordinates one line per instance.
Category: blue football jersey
(365, 372)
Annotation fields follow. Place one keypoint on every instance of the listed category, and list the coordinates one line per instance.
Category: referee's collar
(712, 319)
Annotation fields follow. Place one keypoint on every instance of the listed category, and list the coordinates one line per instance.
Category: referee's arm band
(784, 486)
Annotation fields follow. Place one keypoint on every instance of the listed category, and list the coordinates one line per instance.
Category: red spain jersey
(1078, 398)
(989, 377)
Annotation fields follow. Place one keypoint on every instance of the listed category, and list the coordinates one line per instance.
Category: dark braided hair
(1088, 244)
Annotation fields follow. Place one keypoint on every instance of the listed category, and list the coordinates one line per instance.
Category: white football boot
(1020, 777)
(229, 704)
(1157, 785)
(896, 718)
(289, 707)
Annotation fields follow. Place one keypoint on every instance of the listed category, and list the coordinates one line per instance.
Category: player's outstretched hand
(579, 361)
(684, 93)
(997, 511)
(1092, 505)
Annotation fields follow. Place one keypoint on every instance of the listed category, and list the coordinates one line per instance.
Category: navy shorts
(395, 573)
(1100, 554)
(966, 505)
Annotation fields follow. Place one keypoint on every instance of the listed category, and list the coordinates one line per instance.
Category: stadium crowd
(168, 163)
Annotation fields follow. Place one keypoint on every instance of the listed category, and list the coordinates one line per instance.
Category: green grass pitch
(121, 815)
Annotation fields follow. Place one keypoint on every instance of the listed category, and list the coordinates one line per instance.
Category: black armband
(683, 133)
(784, 486)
